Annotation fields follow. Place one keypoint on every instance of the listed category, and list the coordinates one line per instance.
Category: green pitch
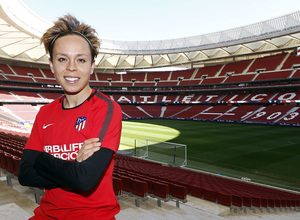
(266, 154)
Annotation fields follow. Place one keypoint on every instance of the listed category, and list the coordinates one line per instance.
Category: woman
(63, 153)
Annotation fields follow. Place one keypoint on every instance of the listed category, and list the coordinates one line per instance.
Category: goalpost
(173, 154)
(140, 149)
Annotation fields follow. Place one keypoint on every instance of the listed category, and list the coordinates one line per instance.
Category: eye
(61, 59)
(81, 60)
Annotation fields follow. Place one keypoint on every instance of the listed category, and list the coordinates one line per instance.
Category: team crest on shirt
(80, 123)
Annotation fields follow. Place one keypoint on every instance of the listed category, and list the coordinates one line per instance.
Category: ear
(51, 66)
(92, 67)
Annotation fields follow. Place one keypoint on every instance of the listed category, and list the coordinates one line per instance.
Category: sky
(143, 20)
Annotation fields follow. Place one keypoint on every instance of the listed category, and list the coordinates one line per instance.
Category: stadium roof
(21, 29)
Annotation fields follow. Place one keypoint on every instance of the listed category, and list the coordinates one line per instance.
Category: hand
(89, 147)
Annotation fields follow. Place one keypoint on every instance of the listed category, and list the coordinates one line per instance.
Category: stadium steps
(13, 204)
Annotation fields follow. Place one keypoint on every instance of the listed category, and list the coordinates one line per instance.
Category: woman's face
(72, 64)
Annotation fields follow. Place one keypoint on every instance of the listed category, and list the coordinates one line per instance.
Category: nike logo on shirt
(45, 126)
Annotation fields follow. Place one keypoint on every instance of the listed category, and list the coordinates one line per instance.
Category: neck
(73, 100)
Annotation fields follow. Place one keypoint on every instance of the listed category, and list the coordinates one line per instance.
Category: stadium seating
(5, 95)
(27, 71)
(144, 84)
(142, 178)
(240, 78)
(235, 67)
(171, 110)
(267, 63)
(208, 71)
(118, 186)
(189, 82)
(182, 74)
(153, 110)
(5, 69)
(19, 78)
(164, 95)
(291, 61)
(108, 77)
(273, 75)
(134, 76)
(212, 80)
(132, 111)
(209, 106)
(172, 182)
(162, 76)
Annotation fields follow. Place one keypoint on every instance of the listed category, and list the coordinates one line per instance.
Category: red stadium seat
(271, 203)
(161, 190)
(210, 195)
(237, 201)
(139, 188)
(178, 191)
(3, 161)
(17, 161)
(256, 202)
(247, 201)
(10, 167)
(118, 186)
(224, 199)
(126, 183)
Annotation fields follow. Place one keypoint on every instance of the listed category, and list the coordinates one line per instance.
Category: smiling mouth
(72, 79)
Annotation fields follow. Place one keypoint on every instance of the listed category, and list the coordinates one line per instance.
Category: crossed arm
(40, 169)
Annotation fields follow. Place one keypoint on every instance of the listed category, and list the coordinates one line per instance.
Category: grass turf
(267, 154)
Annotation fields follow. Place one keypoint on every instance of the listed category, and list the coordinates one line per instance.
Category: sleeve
(28, 176)
(72, 174)
(85, 175)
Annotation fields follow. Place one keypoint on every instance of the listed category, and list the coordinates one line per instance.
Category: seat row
(141, 178)
(10, 163)
(142, 186)
(11, 150)
(210, 187)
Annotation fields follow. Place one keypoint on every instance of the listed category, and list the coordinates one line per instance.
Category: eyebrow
(77, 55)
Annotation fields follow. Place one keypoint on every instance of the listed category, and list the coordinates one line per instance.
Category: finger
(91, 140)
(87, 151)
(89, 144)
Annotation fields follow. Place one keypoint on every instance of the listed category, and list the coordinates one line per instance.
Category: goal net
(140, 148)
(171, 153)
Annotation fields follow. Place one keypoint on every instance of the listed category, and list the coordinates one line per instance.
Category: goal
(173, 154)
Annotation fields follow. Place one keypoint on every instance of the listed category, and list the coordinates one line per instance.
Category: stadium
(210, 122)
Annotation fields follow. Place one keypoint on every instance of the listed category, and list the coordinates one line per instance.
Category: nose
(72, 66)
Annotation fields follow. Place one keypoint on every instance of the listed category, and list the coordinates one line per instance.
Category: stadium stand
(208, 71)
(141, 179)
(27, 71)
(134, 76)
(267, 63)
(108, 77)
(232, 92)
(291, 61)
(273, 75)
(166, 182)
(240, 78)
(182, 74)
(235, 67)
(212, 80)
(153, 76)
(260, 86)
